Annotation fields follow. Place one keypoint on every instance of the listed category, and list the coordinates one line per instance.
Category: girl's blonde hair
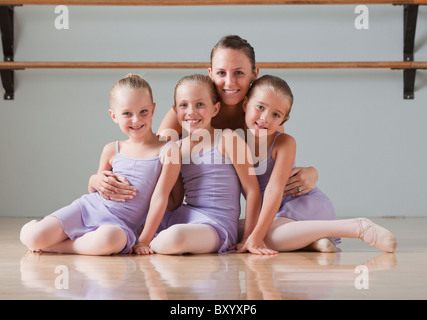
(131, 81)
(199, 79)
(275, 84)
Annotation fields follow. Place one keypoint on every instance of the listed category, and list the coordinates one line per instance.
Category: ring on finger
(299, 189)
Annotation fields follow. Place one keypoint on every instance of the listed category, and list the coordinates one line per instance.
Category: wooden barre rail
(205, 65)
(202, 2)
(8, 67)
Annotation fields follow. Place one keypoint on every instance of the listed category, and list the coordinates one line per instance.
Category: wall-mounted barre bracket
(7, 34)
(7, 38)
(7, 78)
(408, 83)
(410, 15)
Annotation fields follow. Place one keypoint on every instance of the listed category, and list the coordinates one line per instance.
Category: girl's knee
(32, 235)
(26, 235)
(170, 241)
(113, 239)
(274, 232)
(186, 238)
(37, 235)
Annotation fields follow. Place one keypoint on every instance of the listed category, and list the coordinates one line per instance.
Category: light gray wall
(367, 142)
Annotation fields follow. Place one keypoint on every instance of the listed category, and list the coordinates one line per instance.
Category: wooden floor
(357, 272)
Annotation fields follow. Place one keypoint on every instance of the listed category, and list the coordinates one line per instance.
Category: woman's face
(232, 74)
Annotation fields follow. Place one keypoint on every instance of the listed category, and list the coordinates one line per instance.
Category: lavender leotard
(91, 210)
(212, 195)
(314, 205)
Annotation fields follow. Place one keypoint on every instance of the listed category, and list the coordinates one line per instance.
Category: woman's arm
(159, 200)
(176, 196)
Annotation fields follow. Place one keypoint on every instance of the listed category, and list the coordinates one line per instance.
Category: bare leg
(37, 235)
(47, 235)
(186, 238)
(319, 245)
(106, 240)
(288, 235)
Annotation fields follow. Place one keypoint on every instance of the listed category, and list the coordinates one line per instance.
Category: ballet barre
(205, 2)
(8, 67)
(21, 65)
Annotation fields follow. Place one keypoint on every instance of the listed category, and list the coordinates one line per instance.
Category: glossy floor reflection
(284, 276)
(358, 272)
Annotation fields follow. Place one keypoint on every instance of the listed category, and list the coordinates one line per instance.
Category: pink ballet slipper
(379, 238)
(323, 245)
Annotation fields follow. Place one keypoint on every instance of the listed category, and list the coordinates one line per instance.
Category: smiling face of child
(194, 106)
(132, 109)
(266, 109)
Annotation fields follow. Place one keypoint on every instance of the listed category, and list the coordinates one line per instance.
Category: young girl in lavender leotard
(287, 223)
(212, 178)
(92, 225)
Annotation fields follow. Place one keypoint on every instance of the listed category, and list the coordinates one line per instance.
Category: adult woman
(233, 70)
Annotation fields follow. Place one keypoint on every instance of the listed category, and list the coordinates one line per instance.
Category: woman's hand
(301, 181)
(111, 186)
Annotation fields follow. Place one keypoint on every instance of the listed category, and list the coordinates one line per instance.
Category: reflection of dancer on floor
(93, 225)
(277, 277)
(267, 107)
